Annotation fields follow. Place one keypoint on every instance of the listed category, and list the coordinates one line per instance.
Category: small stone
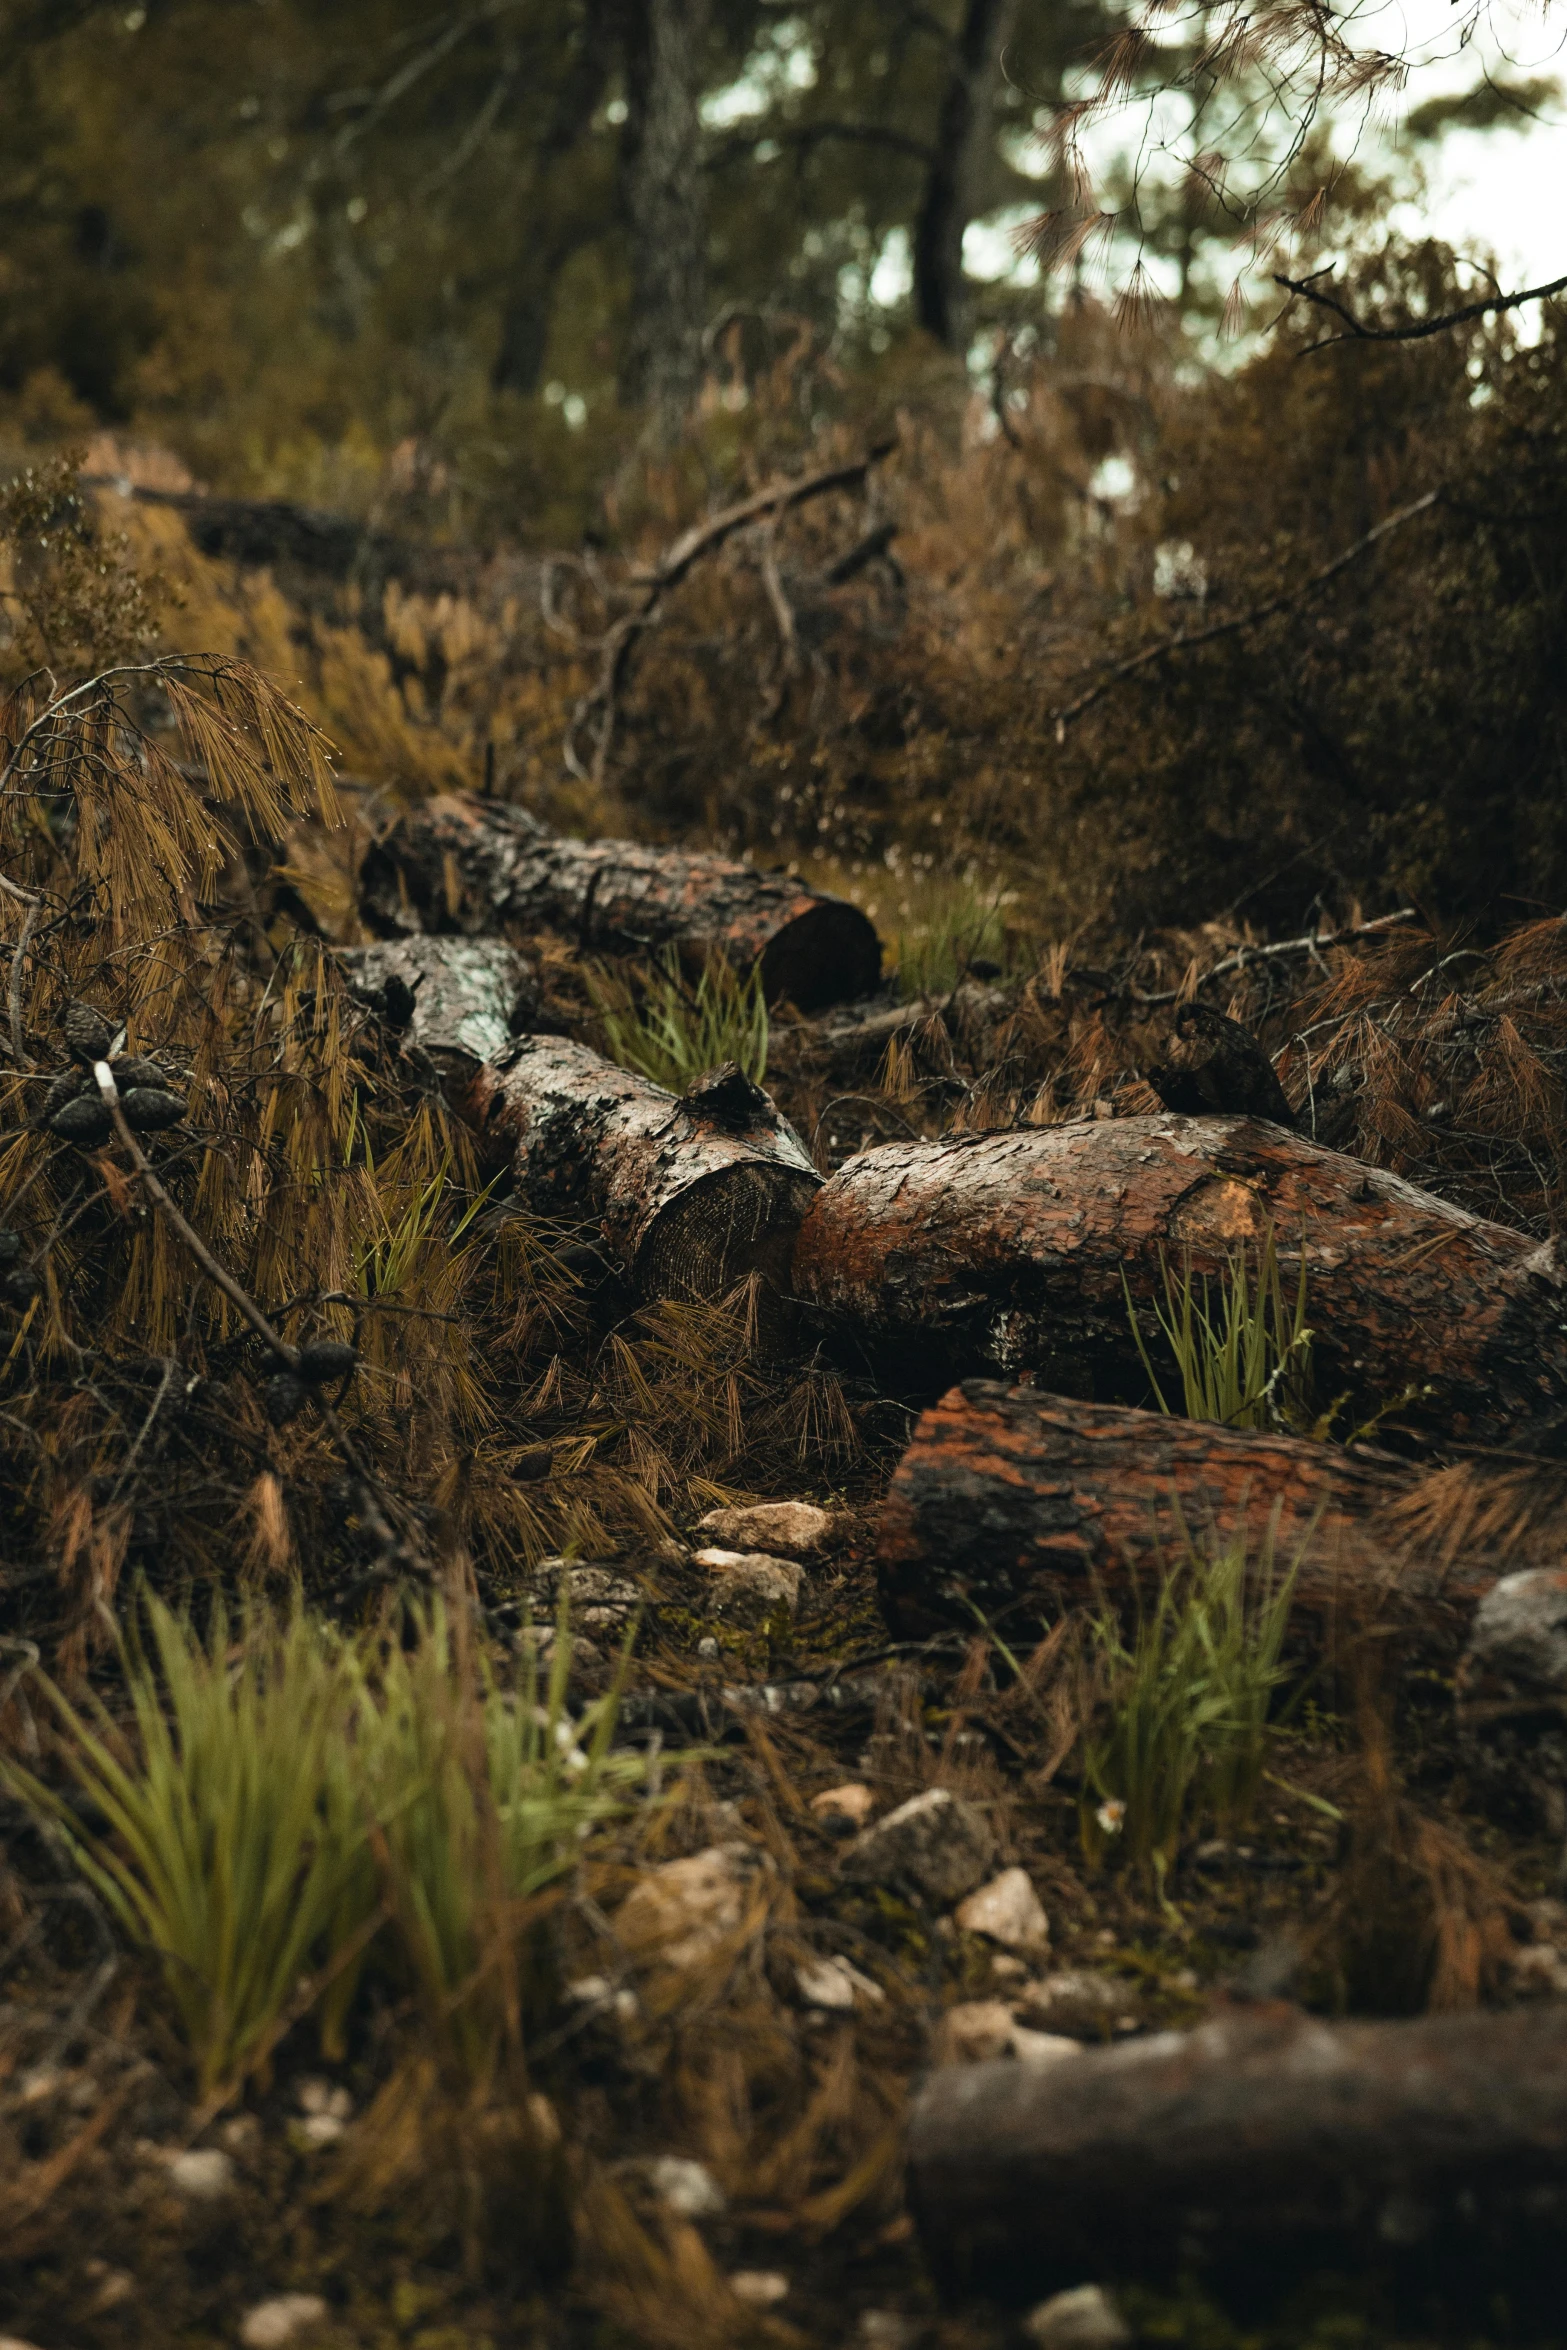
(274, 2324)
(887, 2329)
(15, 2342)
(1042, 2047)
(1007, 1969)
(751, 1588)
(848, 1806)
(833, 1983)
(203, 2172)
(707, 1646)
(240, 2132)
(1538, 1971)
(1084, 2005)
(1518, 1641)
(937, 1842)
(318, 2130)
(762, 2287)
(1084, 2319)
(686, 2188)
(784, 1529)
(1009, 1911)
(316, 2096)
(975, 2032)
(684, 1911)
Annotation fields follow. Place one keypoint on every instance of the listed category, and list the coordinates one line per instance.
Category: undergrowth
(671, 1029)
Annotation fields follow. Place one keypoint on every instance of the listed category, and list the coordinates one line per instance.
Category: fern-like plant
(671, 1030)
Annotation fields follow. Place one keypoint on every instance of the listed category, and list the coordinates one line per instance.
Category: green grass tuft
(1245, 1363)
(671, 1030)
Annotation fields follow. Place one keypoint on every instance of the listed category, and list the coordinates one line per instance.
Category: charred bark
(459, 1000)
(458, 864)
(1006, 1252)
(688, 1193)
(1253, 2151)
(1022, 1504)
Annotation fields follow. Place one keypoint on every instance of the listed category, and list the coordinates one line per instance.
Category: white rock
(1074, 2001)
(1539, 1970)
(1519, 1634)
(784, 1529)
(204, 2172)
(851, 1804)
(686, 2188)
(318, 2096)
(888, 2329)
(1084, 2319)
(1009, 1911)
(936, 1842)
(833, 1983)
(685, 1910)
(1042, 2047)
(319, 2130)
(288, 2317)
(751, 1587)
(760, 2286)
(975, 2032)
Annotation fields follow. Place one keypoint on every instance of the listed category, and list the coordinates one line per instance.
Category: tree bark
(1007, 1252)
(1022, 1504)
(689, 1193)
(665, 208)
(1251, 2152)
(459, 1000)
(458, 863)
(963, 128)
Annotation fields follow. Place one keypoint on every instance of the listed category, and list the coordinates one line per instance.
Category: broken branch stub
(1253, 2151)
(1007, 1252)
(691, 1193)
(461, 864)
(1020, 1504)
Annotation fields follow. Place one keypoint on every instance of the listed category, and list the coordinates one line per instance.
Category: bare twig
(1306, 289)
(703, 538)
(1282, 949)
(1186, 640)
(14, 993)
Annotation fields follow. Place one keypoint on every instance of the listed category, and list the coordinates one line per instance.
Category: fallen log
(1257, 2150)
(464, 864)
(690, 1193)
(1021, 1504)
(460, 1000)
(1007, 1252)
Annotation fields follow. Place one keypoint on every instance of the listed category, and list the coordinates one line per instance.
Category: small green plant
(1245, 1362)
(671, 1031)
(1189, 1705)
(222, 1854)
(287, 1809)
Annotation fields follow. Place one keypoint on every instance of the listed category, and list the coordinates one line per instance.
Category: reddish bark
(689, 1193)
(1252, 2151)
(1021, 1503)
(458, 863)
(1007, 1252)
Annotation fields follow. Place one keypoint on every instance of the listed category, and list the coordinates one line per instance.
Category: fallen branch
(1253, 2152)
(1186, 641)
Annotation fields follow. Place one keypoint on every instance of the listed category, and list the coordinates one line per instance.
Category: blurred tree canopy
(267, 226)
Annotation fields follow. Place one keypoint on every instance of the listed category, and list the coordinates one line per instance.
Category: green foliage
(281, 1794)
(670, 1030)
(1245, 1363)
(1189, 1703)
(964, 927)
(231, 1836)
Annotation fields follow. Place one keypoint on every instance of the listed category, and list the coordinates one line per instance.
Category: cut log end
(726, 1227)
(826, 955)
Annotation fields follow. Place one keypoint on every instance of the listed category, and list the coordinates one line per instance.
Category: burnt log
(1260, 2149)
(1021, 1504)
(458, 1000)
(466, 865)
(1007, 1253)
(688, 1193)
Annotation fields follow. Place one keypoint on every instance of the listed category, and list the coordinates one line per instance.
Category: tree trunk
(689, 1194)
(665, 209)
(459, 1000)
(463, 864)
(1022, 1504)
(1008, 1253)
(963, 129)
(1253, 2151)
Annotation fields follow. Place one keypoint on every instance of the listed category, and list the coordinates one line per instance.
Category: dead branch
(1185, 641)
(703, 538)
(1306, 289)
